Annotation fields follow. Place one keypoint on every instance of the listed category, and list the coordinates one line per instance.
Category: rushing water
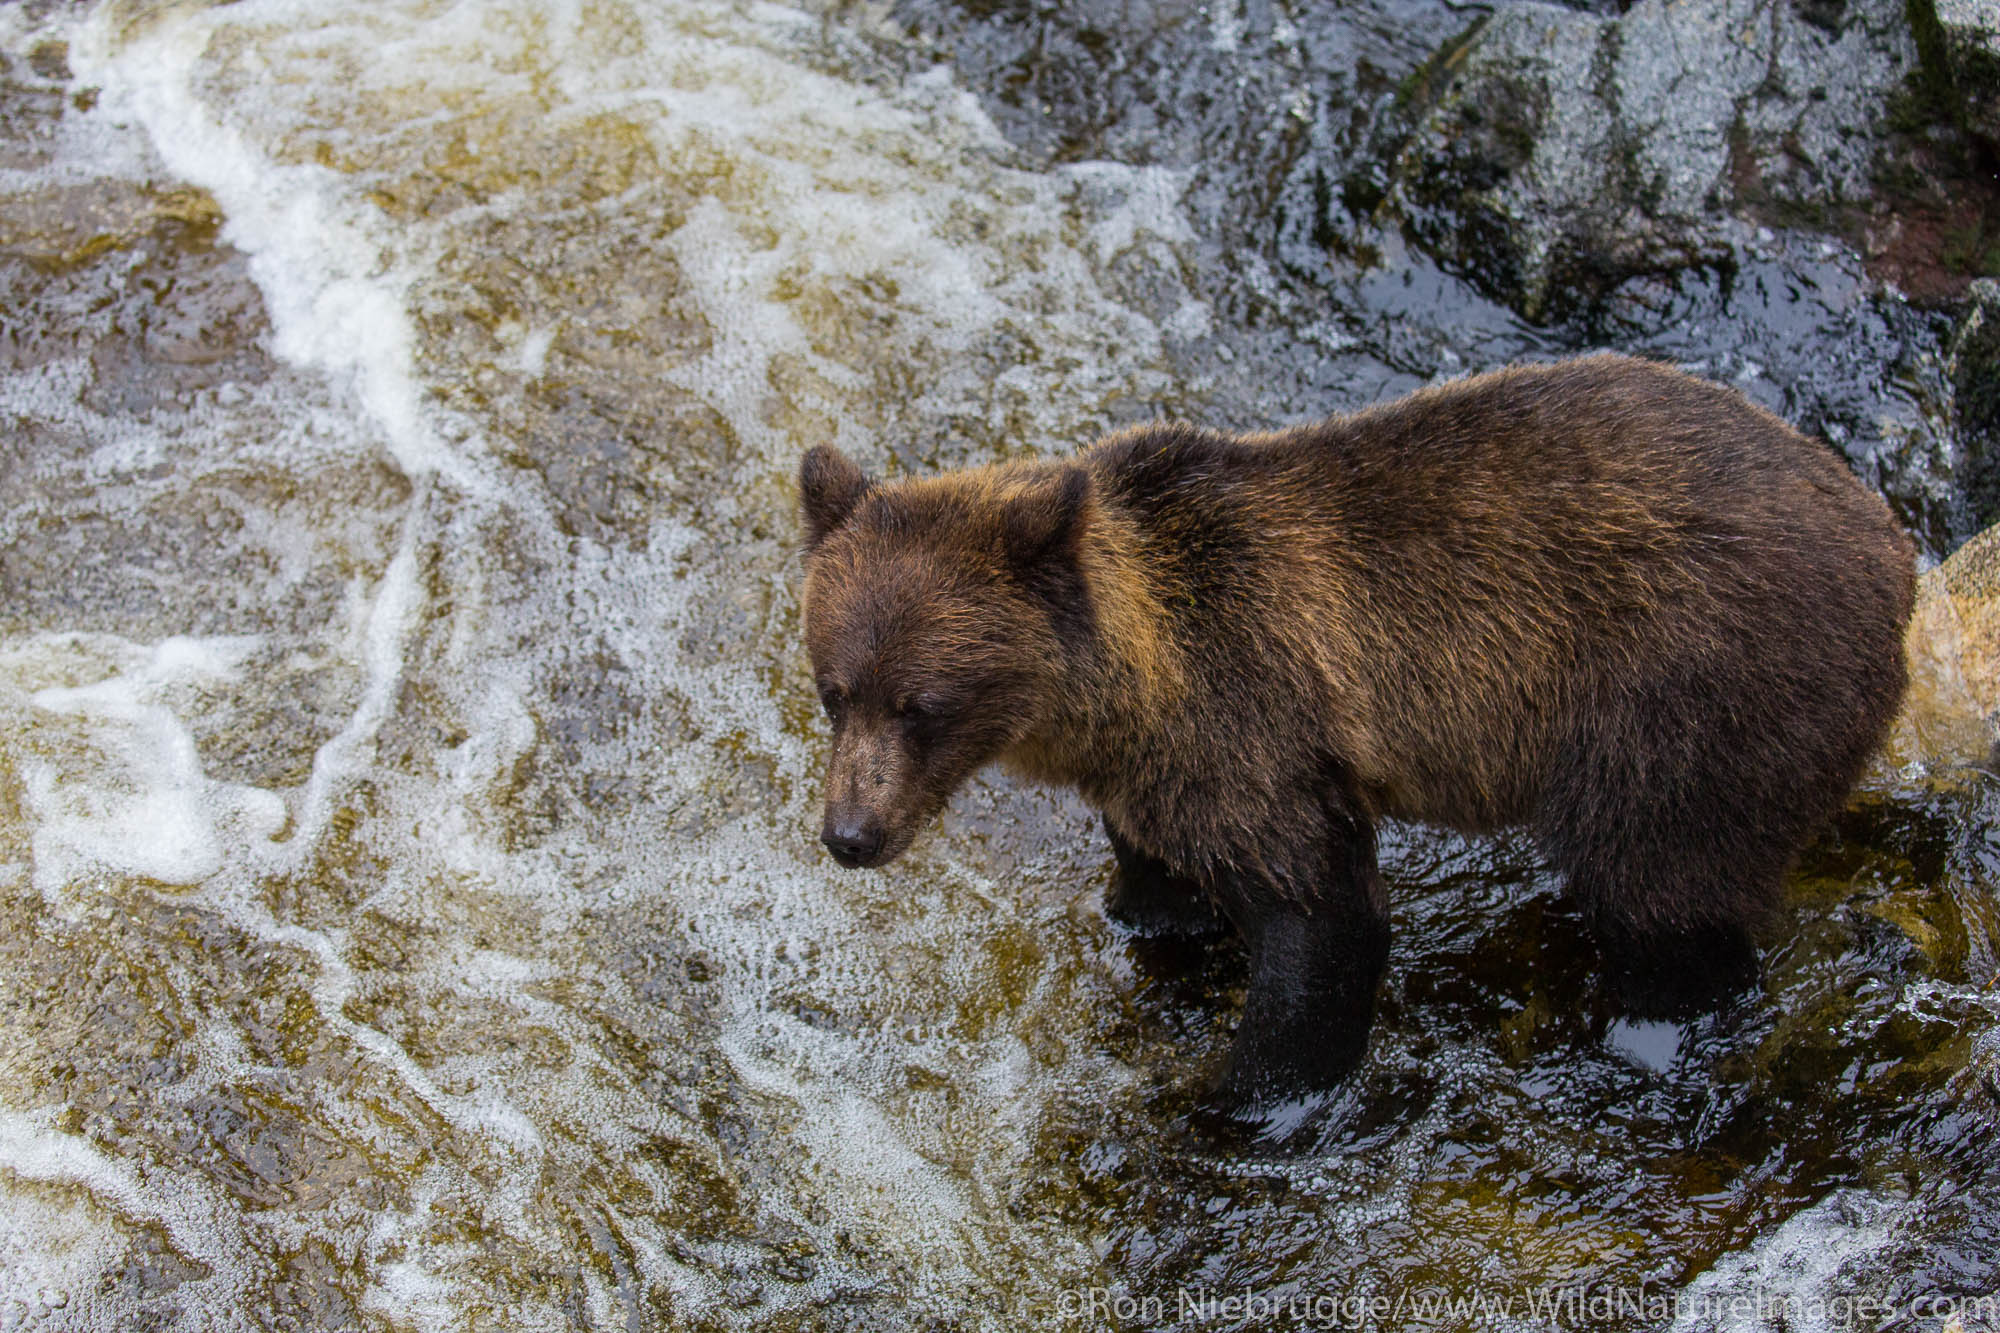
(410, 915)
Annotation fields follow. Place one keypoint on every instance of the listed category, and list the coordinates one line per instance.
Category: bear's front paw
(1268, 1068)
(1271, 1104)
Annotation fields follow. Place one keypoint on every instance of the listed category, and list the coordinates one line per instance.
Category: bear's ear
(1042, 526)
(830, 485)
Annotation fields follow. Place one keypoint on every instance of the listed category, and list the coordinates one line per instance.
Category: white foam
(63, 1256)
(406, 1290)
(798, 190)
(1798, 1277)
(391, 615)
(1190, 322)
(1225, 25)
(732, 279)
(117, 785)
(1148, 203)
(534, 353)
(849, 1134)
(315, 253)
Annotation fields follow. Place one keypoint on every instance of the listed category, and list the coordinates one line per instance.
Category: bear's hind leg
(1149, 899)
(1676, 854)
(1316, 961)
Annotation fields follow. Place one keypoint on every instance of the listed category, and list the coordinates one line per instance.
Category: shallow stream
(410, 910)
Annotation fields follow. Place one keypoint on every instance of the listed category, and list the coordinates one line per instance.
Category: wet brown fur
(1619, 605)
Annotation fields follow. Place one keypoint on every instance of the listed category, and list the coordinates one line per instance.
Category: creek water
(411, 915)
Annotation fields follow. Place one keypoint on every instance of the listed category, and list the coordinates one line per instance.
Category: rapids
(411, 914)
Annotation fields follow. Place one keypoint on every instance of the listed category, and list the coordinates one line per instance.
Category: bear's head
(936, 612)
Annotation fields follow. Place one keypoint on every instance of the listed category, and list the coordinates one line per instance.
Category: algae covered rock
(1970, 33)
(1972, 363)
(1552, 153)
(1951, 715)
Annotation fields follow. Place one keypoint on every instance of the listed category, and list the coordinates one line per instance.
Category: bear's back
(1473, 571)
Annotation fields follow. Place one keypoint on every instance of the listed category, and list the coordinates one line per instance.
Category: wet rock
(32, 97)
(1550, 153)
(1951, 717)
(1969, 33)
(1972, 363)
(131, 275)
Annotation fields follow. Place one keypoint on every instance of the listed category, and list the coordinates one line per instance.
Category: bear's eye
(920, 715)
(833, 699)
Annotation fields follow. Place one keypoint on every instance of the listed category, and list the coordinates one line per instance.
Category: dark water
(410, 912)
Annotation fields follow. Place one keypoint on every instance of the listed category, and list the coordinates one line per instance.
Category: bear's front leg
(1149, 899)
(1317, 954)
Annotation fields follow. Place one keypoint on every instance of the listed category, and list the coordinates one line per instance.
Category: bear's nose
(853, 842)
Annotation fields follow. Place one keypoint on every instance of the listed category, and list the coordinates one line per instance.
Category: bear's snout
(854, 839)
(875, 796)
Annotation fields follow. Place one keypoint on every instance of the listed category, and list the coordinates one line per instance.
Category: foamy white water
(788, 186)
(412, 912)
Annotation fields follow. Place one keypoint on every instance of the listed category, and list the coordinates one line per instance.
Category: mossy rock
(1973, 363)
(1951, 715)
(1969, 32)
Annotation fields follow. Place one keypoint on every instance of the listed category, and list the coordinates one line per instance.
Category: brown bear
(1623, 607)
